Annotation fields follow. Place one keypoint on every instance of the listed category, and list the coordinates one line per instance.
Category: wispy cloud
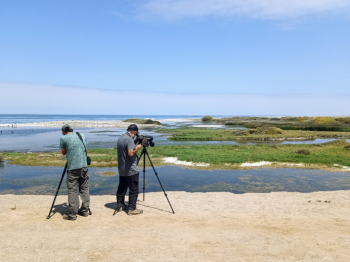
(265, 9)
(19, 98)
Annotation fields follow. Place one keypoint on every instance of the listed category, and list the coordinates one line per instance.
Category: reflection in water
(44, 180)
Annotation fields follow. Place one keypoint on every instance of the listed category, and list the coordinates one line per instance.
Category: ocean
(30, 118)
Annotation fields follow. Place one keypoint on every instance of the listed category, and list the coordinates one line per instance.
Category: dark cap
(66, 128)
(133, 127)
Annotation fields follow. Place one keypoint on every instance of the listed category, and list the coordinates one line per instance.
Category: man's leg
(73, 188)
(84, 190)
(133, 184)
(122, 188)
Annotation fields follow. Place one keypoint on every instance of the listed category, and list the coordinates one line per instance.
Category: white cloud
(19, 98)
(270, 9)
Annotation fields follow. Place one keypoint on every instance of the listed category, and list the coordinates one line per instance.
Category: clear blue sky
(233, 47)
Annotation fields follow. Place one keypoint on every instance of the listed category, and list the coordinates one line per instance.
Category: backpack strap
(81, 139)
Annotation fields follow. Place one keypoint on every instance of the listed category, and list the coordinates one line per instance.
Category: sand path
(206, 227)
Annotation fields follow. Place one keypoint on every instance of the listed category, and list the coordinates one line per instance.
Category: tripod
(58, 189)
(144, 153)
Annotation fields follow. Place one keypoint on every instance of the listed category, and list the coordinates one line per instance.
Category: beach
(217, 226)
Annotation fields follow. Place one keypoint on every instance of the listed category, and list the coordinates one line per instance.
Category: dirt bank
(206, 227)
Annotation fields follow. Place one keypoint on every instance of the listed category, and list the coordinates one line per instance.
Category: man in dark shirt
(128, 171)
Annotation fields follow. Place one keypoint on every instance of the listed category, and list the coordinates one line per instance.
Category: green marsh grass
(205, 134)
(326, 154)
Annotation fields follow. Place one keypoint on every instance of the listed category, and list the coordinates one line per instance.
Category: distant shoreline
(96, 123)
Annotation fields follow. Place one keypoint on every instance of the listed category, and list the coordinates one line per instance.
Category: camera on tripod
(144, 140)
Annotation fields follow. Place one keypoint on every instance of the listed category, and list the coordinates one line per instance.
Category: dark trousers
(131, 182)
(78, 182)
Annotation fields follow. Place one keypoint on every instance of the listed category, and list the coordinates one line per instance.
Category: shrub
(150, 121)
(142, 121)
(324, 120)
(341, 142)
(1, 158)
(242, 132)
(207, 119)
(303, 119)
(344, 120)
(302, 151)
(347, 147)
(266, 130)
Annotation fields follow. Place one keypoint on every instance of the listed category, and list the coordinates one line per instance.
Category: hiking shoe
(121, 207)
(84, 214)
(67, 217)
(135, 212)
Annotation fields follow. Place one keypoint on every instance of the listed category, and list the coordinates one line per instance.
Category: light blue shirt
(75, 150)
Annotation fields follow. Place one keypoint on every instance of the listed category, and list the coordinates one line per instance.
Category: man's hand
(64, 152)
(132, 152)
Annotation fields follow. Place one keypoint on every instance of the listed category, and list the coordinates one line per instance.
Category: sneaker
(84, 214)
(67, 217)
(121, 207)
(135, 212)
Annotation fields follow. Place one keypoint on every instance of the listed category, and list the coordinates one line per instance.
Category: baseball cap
(133, 127)
(66, 128)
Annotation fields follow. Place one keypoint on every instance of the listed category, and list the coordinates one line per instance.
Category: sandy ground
(206, 227)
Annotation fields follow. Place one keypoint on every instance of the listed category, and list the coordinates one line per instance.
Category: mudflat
(205, 227)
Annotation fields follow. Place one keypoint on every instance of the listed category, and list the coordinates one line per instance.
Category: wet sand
(206, 227)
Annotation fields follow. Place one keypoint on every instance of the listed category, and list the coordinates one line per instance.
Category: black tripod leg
(155, 172)
(58, 189)
(144, 174)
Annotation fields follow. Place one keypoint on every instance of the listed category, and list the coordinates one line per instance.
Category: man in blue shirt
(77, 174)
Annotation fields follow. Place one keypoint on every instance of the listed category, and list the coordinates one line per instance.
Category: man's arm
(62, 146)
(132, 152)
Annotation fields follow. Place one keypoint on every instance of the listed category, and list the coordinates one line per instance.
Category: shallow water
(47, 139)
(44, 180)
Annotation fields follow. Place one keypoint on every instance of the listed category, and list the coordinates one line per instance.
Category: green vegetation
(207, 119)
(220, 156)
(257, 134)
(1, 158)
(109, 173)
(302, 151)
(142, 121)
(344, 120)
(291, 123)
(323, 120)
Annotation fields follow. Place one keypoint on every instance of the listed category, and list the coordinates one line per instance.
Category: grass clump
(207, 119)
(303, 119)
(323, 120)
(302, 151)
(1, 158)
(344, 120)
(266, 130)
(142, 121)
(109, 173)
